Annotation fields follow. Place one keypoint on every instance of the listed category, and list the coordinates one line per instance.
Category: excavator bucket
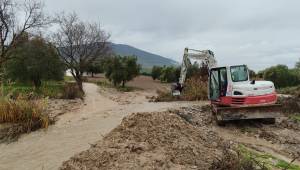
(224, 114)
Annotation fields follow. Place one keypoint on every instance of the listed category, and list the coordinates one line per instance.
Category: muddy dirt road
(76, 131)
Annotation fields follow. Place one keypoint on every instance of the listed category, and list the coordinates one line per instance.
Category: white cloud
(259, 33)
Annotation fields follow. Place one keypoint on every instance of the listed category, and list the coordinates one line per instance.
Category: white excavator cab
(221, 77)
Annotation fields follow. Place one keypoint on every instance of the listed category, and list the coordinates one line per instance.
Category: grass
(23, 115)
(50, 89)
(295, 117)
(23, 111)
(265, 160)
(69, 78)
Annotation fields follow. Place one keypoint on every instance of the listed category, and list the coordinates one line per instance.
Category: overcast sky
(258, 33)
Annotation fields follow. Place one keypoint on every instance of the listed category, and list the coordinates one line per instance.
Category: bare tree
(16, 18)
(79, 44)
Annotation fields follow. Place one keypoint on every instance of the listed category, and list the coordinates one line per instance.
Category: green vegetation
(295, 117)
(68, 78)
(24, 115)
(195, 86)
(165, 74)
(23, 111)
(194, 89)
(171, 73)
(34, 60)
(297, 65)
(120, 70)
(282, 76)
(95, 68)
(266, 161)
(51, 89)
(156, 72)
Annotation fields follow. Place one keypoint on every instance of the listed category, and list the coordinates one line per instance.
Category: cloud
(259, 33)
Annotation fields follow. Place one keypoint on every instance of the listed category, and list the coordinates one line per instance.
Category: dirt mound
(151, 141)
(290, 104)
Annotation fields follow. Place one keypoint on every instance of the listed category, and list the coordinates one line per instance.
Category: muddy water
(75, 131)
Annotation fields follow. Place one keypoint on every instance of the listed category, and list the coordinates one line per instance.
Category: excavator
(232, 94)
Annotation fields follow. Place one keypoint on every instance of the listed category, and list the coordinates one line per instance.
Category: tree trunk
(37, 83)
(92, 74)
(79, 84)
(123, 83)
(78, 78)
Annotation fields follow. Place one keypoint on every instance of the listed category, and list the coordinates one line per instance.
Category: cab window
(239, 73)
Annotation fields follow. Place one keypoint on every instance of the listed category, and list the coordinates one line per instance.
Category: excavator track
(223, 114)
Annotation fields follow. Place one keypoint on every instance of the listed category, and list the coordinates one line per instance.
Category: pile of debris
(290, 104)
(152, 141)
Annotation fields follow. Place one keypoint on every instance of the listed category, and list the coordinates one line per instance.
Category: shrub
(170, 74)
(195, 89)
(29, 112)
(121, 69)
(281, 76)
(156, 72)
(34, 60)
(24, 116)
(232, 160)
(71, 91)
(50, 89)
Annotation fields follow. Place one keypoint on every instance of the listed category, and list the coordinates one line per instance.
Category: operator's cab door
(217, 83)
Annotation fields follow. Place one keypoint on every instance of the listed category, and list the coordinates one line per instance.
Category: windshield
(239, 73)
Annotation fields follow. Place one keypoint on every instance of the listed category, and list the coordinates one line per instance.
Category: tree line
(170, 74)
(280, 74)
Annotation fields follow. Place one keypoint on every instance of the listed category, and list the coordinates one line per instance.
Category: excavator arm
(205, 56)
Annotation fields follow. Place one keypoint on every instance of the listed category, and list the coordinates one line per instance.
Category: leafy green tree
(260, 74)
(34, 60)
(298, 64)
(252, 74)
(121, 69)
(156, 72)
(282, 76)
(94, 68)
(170, 74)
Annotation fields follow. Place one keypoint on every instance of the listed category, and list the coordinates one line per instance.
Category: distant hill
(146, 59)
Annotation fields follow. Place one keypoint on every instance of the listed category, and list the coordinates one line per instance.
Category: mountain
(146, 59)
